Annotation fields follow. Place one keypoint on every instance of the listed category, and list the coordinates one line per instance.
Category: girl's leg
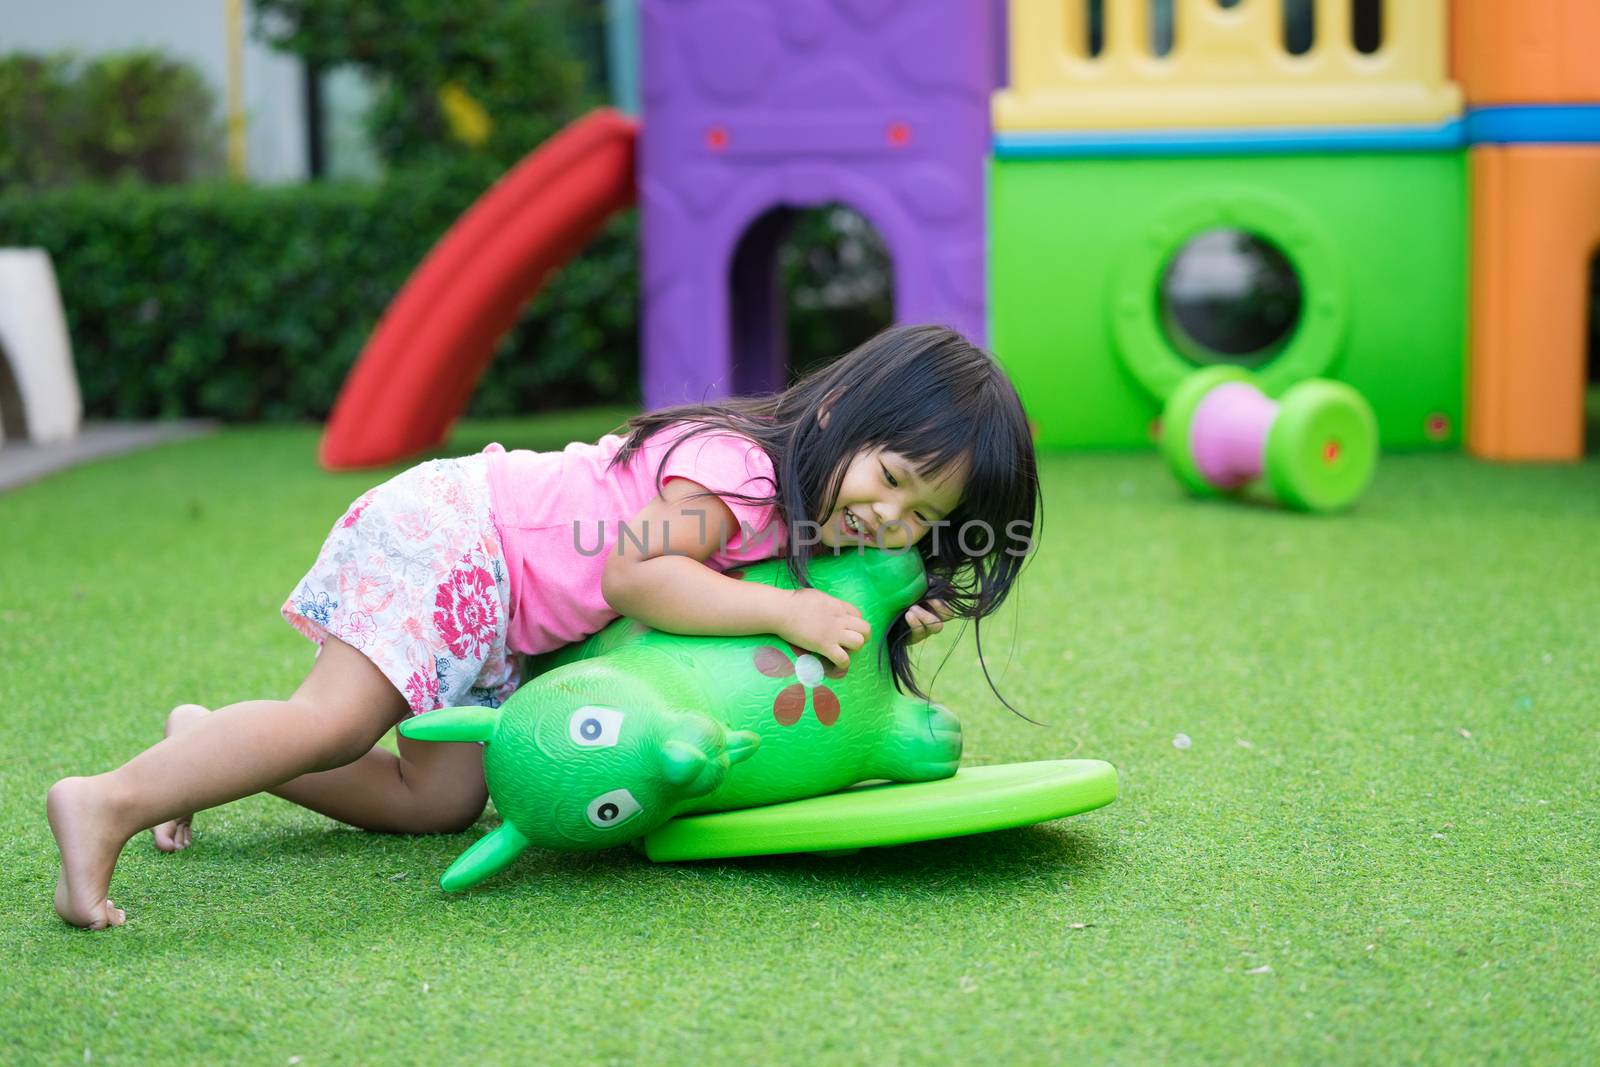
(335, 716)
(429, 788)
(174, 835)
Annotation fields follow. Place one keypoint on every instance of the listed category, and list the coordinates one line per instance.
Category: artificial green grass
(1380, 845)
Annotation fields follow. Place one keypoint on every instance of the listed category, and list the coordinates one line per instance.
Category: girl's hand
(926, 618)
(825, 625)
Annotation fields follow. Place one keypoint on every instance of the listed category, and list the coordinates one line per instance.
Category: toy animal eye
(592, 726)
(609, 809)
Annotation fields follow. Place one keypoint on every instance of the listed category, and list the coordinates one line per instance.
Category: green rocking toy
(615, 736)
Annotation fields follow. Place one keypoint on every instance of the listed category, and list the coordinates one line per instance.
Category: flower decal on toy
(810, 670)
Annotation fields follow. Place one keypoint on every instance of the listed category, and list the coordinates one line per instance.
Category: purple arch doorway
(755, 109)
(759, 306)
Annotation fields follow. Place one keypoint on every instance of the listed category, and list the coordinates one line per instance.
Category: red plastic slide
(435, 340)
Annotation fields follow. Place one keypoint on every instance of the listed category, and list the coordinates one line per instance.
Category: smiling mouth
(854, 525)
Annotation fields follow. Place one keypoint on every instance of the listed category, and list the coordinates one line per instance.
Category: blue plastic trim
(1527, 124)
(1233, 141)
(622, 54)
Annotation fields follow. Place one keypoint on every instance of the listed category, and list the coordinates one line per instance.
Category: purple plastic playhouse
(757, 109)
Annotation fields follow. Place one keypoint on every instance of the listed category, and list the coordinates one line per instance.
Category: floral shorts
(414, 576)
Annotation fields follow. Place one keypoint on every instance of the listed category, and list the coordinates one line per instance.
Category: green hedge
(245, 302)
(252, 303)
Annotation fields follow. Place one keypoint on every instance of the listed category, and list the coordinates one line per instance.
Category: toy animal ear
(681, 762)
(453, 724)
(742, 744)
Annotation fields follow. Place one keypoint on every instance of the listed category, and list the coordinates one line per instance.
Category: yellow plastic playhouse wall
(1227, 66)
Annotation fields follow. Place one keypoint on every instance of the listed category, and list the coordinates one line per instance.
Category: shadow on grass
(998, 857)
(950, 867)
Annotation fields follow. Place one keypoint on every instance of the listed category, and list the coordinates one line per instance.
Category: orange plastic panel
(1526, 51)
(1535, 228)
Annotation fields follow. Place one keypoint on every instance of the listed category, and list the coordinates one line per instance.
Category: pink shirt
(559, 516)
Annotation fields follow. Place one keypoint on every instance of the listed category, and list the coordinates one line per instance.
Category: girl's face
(883, 501)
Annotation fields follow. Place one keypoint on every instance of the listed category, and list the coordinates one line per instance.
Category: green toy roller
(1314, 449)
(614, 736)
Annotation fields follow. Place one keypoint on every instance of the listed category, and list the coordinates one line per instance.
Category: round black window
(1229, 297)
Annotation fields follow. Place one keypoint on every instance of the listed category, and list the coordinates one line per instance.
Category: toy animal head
(587, 757)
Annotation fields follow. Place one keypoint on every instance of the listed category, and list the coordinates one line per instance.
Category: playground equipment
(1300, 170)
(1224, 165)
(614, 736)
(1530, 52)
(1313, 449)
(1224, 65)
(1530, 74)
(1369, 246)
(754, 112)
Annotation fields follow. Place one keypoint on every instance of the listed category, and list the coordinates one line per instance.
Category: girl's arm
(656, 572)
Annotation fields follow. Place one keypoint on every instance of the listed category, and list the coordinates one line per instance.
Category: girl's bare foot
(81, 818)
(176, 835)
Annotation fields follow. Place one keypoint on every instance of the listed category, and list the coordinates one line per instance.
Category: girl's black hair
(928, 394)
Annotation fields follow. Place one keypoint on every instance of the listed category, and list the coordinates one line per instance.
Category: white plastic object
(35, 347)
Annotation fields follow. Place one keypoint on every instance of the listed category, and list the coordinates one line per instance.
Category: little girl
(432, 584)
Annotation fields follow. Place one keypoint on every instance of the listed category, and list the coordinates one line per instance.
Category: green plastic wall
(1378, 240)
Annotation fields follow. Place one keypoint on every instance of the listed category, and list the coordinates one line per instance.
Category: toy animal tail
(491, 855)
(452, 724)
